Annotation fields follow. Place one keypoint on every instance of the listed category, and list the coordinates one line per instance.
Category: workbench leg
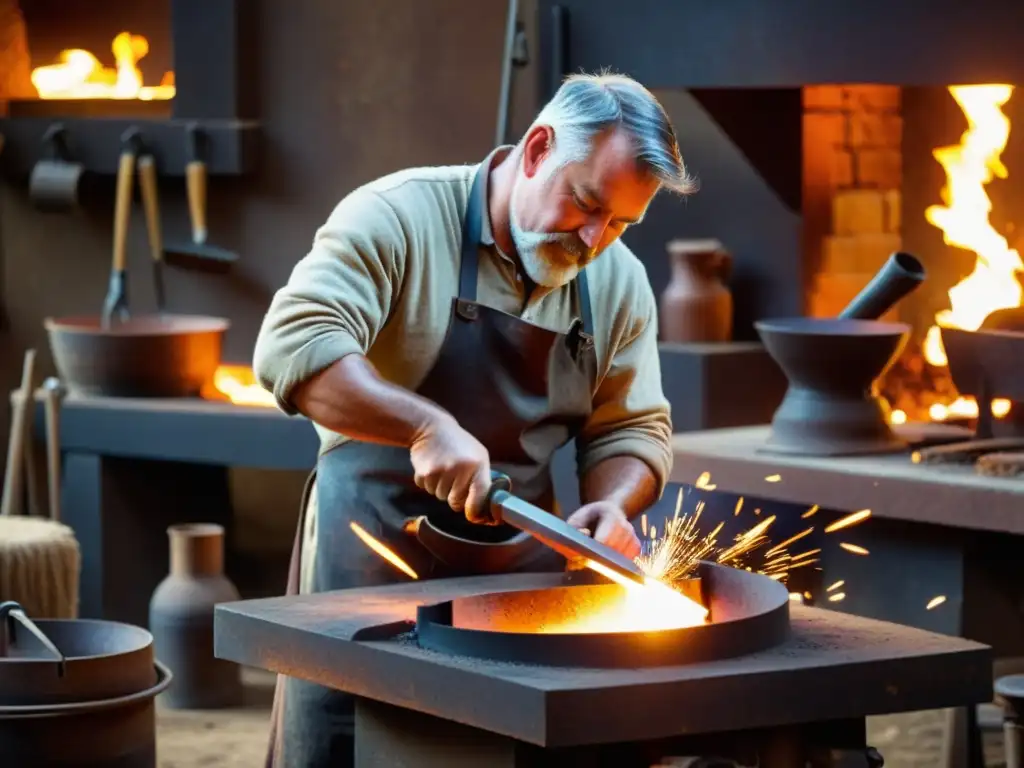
(389, 736)
(120, 510)
(81, 509)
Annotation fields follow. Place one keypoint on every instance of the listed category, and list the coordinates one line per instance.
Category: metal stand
(387, 735)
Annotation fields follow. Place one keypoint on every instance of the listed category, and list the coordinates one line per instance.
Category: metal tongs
(11, 613)
(552, 530)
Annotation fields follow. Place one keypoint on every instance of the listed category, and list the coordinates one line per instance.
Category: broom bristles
(40, 564)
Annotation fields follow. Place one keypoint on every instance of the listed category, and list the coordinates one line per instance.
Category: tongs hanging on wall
(515, 56)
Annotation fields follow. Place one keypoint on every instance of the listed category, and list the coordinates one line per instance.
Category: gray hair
(587, 105)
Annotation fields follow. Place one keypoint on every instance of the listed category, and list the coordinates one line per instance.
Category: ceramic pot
(181, 620)
(696, 306)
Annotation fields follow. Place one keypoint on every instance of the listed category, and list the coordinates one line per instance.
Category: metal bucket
(77, 692)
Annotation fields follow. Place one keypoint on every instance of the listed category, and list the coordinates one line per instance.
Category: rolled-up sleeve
(630, 415)
(337, 298)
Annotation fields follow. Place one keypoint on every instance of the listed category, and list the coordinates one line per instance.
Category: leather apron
(523, 391)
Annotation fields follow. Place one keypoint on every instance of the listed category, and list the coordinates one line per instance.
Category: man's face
(562, 215)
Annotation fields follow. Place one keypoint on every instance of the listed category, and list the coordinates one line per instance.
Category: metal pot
(77, 692)
(145, 356)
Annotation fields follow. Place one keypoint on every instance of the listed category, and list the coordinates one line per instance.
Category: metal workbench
(833, 671)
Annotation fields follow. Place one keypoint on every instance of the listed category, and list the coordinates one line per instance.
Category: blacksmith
(453, 319)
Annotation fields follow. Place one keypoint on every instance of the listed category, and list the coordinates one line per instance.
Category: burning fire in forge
(78, 74)
(964, 221)
(670, 560)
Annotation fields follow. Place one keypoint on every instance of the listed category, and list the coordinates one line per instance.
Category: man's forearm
(625, 481)
(352, 399)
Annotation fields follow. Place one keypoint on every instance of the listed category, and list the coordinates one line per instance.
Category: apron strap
(583, 289)
(468, 268)
(471, 226)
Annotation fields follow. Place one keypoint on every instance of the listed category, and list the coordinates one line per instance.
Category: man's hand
(609, 525)
(454, 466)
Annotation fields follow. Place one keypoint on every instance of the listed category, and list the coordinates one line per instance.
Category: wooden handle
(15, 445)
(151, 205)
(195, 179)
(28, 448)
(122, 208)
(52, 410)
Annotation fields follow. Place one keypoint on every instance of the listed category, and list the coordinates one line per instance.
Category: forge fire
(79, 74)
(919, 387)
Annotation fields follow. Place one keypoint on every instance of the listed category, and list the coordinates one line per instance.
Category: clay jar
(181, 620)
(696, 306)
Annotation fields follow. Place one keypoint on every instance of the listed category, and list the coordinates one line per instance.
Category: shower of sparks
(853, 548)
(773, 478)
(846, 522)
(935, 602)
(837, 597)
(673, 557)
(787, 542)
(675, 554)
(704, 482)
(382, 550)
(796, 597)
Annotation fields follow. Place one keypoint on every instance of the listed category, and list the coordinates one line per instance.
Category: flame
(382, 550)
(649, 607)
(238, 384)
(964, 221)
(80, 75)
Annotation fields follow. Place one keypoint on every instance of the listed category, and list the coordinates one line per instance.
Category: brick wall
(852, 169)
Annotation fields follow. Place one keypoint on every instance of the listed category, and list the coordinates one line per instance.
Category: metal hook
(56, 142)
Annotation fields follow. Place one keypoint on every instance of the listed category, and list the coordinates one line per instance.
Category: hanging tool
(151, 206)
(198, 255)
(54, 183)
(515, 56)
(28, 448)
(53, 395)
(553, 531)
(12, 491)
(116, 303)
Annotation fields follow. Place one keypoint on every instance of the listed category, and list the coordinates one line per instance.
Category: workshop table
(421, 708)
(936, 531)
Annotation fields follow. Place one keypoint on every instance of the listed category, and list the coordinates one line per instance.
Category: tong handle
(500, 481)
(10, 610)
(501, 486)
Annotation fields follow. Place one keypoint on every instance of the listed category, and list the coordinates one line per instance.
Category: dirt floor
(238, 737)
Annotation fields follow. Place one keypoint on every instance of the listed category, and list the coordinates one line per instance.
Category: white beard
(548, 269)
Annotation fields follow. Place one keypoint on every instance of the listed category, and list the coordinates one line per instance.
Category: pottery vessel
(181, 620)
(696, 306)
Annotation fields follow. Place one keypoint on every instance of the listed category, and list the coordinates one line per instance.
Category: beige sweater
(380, 279)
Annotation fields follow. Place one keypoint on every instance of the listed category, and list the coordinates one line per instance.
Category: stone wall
(852, 179)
